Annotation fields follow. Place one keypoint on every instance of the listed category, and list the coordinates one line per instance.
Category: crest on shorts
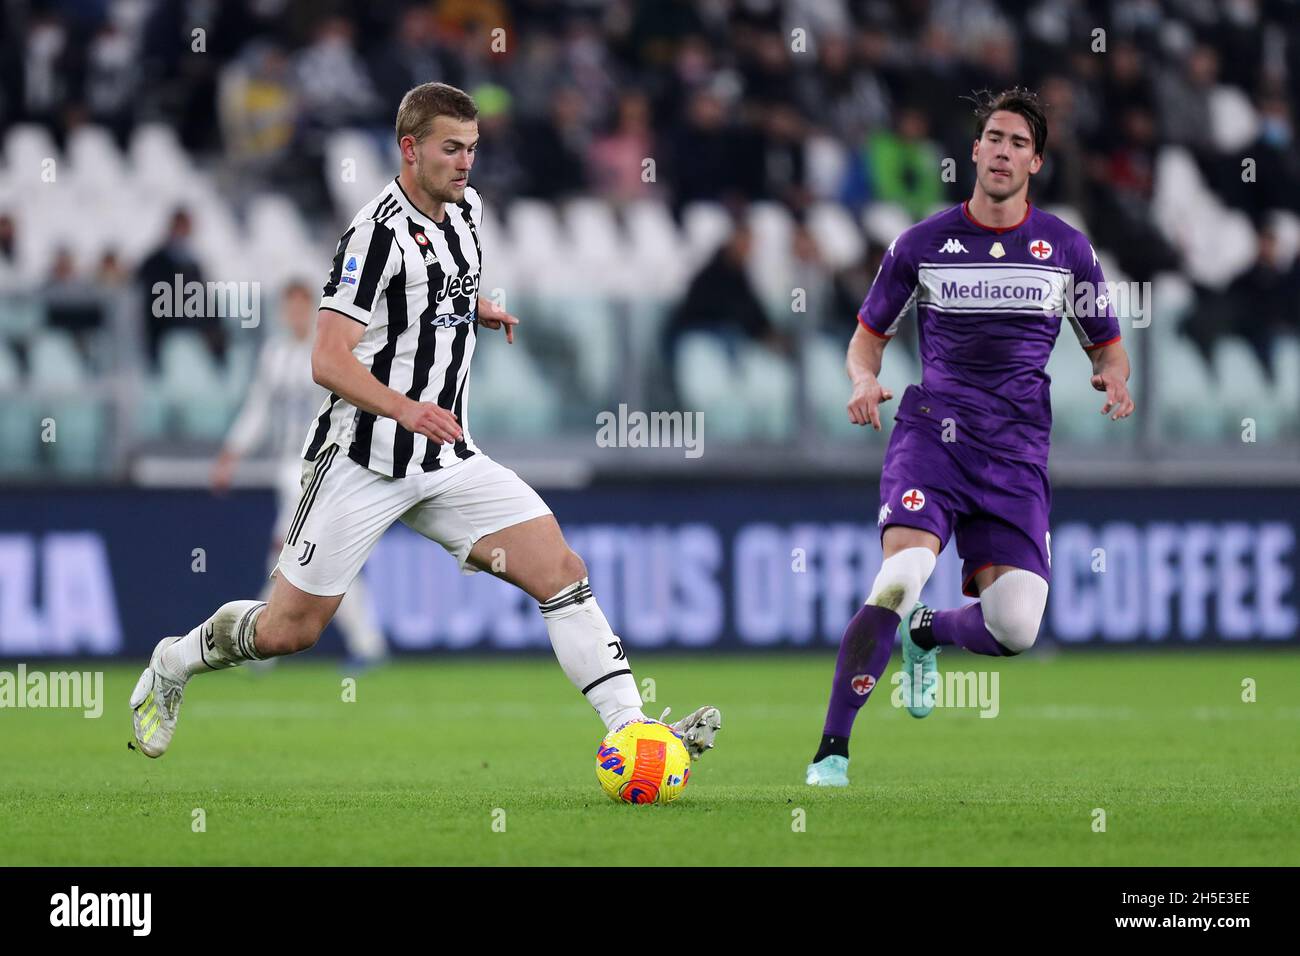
(914, 499)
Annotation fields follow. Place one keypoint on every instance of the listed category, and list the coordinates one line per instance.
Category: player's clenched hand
(864, 406)
(432, 421)
(1118, 403)
(492, 316)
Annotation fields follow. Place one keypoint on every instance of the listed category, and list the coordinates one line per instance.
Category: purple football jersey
(989, 307)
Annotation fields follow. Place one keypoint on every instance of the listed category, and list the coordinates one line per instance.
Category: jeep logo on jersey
(1040, 249)
(458, 285)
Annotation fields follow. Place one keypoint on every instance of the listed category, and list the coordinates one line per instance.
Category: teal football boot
(832, 771)
(920, 680)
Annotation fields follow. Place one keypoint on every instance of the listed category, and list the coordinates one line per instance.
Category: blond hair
(421, 105)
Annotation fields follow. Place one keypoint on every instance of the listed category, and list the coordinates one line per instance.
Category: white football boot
(697, 730)
(156, 704)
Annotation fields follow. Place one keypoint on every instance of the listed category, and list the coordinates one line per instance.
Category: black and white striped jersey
(413, 283)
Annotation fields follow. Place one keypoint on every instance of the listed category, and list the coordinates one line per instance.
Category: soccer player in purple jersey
(991, 278)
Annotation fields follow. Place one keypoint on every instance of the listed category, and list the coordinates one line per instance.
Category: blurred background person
(281, 402)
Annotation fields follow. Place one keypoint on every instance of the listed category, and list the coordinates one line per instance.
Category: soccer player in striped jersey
(282, 398)
(992, 279)
(396, 330)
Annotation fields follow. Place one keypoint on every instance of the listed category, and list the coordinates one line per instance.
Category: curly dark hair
(1015, 100)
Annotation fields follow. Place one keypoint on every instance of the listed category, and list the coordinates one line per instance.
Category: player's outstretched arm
(866, 352)
(492, 316)
(1110, 371)
(333, 366)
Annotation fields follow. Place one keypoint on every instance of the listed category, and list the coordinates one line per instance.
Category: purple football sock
(964, 627)
(864, 655)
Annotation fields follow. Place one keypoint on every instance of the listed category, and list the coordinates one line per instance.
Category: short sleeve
(892, 291)
(1089, 304)
(365, 260)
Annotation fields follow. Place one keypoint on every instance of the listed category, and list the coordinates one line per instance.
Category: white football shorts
(344, 509)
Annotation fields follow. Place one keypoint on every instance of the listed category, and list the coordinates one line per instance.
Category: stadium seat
(19, 417)
(1243, 391)
(1076, 406)
(192, 385)
(706, 226)
(883, 221)
(94, 158)
(588, 327)
(79, 419)
(533, 225)
(27, 147)
(656, 246)
(771, 266)
(767, 388)
(509, 397)
(709, 383)
(1286, 371)
(1182, 384)
(828, 386)
(838, 238)
(356, 152)
(157, 157)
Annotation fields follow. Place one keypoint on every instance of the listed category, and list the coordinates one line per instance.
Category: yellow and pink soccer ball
(643, 761)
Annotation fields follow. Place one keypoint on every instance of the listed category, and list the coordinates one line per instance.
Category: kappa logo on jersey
(1040, 249)
(953, 245)
(884, 513)
(913, 499)
(862, 684)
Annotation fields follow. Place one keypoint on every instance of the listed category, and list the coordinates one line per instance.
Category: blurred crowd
(712, 99)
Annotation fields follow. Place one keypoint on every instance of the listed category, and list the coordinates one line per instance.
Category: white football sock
(591, 655)
(223, 640)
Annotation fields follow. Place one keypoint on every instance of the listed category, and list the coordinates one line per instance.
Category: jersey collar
(993, 229)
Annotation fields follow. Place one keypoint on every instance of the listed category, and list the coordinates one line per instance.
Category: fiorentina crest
(862, 684)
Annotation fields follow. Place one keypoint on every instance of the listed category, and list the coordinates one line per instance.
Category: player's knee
(898, 584)
(1015, 633)
(569, 570)
(1013, 609)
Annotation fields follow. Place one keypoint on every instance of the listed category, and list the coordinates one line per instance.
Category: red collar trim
(999, 230)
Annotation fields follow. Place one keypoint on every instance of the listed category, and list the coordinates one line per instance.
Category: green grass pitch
(416, 770)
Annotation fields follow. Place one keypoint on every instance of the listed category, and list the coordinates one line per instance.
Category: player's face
(1004, 156)
(444, 158)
